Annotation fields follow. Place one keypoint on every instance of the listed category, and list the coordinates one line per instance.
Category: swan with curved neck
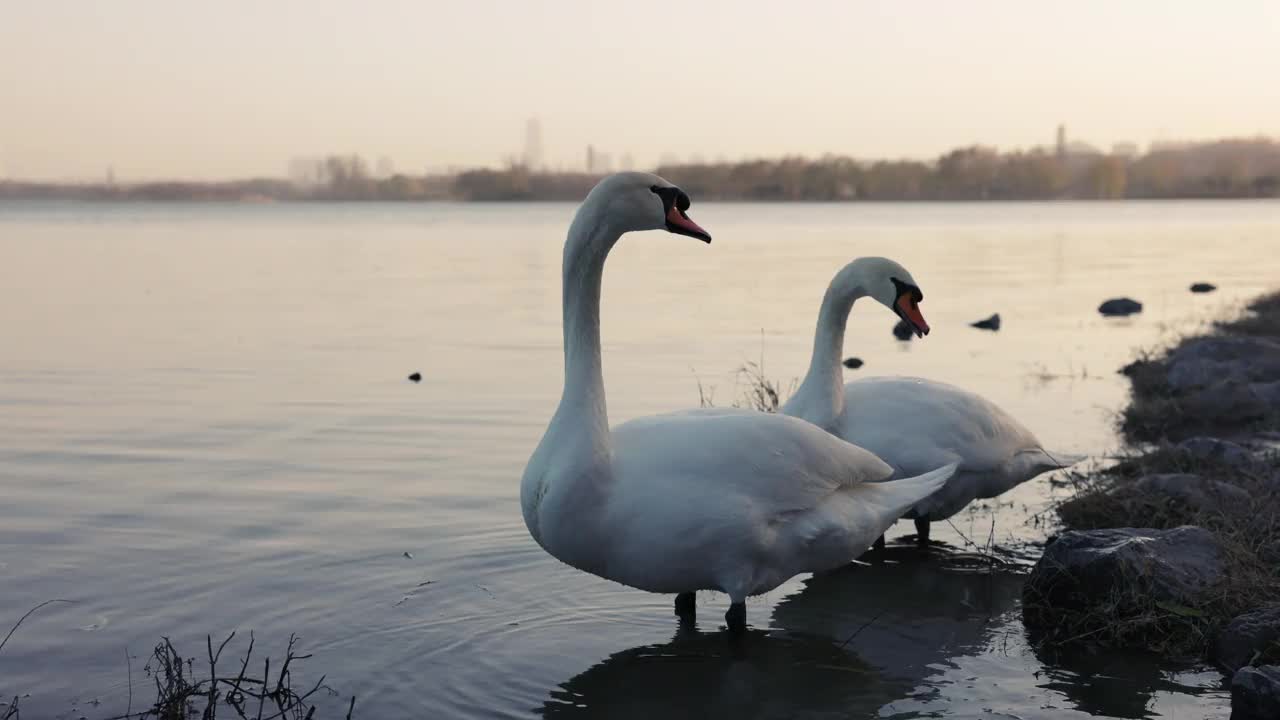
(946, 424)
(732, 501)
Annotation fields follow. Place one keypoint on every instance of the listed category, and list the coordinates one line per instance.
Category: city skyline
(160, 90)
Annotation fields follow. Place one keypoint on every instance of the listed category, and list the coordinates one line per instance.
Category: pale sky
(182, 88)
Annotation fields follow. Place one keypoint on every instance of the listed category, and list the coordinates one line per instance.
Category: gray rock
(1209, 448)
(991, 323)
(1199, 493)
(1119, 307)
(1255, 693)
(1247, 635)
(1203, 287)
(1087, 568)
(1205, 361)
(1232, 403)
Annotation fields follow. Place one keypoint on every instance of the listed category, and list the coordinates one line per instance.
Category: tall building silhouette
(1062, 141)
(385, 168)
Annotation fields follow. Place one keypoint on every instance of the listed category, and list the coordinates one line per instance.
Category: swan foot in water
(878, 545)
(922, 532)
(686, 605)
(736, 618)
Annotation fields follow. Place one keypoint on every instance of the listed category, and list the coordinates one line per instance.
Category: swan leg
(736, 618)
(878, 545)
(686, 604)
(922, 532)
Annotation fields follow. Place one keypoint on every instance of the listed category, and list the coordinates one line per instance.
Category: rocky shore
(1176, 548)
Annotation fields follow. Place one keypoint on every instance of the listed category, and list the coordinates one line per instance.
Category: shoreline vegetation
(1175, 548)
(1229, 168)
(184, 689)
(1202, 435)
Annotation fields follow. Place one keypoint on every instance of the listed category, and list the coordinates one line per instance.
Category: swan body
(994, 451)
(731, 501)
(912, 422)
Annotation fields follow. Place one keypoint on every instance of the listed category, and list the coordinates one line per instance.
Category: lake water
(205, 426)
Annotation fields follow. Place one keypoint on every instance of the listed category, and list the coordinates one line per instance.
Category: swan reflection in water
(774, 674)
(911, 634)
(906, 610)
(849, 643)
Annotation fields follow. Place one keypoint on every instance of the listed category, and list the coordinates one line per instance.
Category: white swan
(736, 502)
(945, 424)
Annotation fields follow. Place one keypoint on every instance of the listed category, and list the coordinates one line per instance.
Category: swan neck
(820, 397)
(589, 242)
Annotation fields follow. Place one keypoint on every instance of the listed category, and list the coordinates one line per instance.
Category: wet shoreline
(1175, 549)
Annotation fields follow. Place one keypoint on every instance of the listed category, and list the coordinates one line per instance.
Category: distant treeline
(1222, 169)
(1247, 168)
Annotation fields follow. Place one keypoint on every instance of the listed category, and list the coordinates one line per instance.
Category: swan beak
(680, 224)
(910, 311)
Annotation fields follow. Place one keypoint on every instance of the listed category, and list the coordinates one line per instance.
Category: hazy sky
(217, 89)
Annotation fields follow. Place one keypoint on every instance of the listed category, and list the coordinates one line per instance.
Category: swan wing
(740, 500)
(943, 423)
(771, 459)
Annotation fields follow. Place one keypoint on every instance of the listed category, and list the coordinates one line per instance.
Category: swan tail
(901, 495)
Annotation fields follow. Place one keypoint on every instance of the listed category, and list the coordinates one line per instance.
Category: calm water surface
(205, 426)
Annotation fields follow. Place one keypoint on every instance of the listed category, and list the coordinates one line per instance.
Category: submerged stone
(991, 323)
(1119, 307)
(1255, 693)
(1250, 634)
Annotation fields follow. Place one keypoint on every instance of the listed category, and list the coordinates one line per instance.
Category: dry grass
(1262, 320)
(1133, 620)
(1109, 499)
(179, 695)
(1156, 411)
(755, 390)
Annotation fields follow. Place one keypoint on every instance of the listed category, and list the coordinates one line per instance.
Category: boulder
(1213, 449)
(1250, 634)
(1232, 403)
(1255, 693)
(853, 363)
(1204, 361)
(1200, 494)
(1203, 287)
(991, 323)
(1119, 307)
(1081, 569)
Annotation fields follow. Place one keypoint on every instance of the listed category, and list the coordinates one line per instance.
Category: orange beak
(681, 224)
(909, 309)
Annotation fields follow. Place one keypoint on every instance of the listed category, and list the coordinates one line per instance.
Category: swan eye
(670, 196)
(900, 288)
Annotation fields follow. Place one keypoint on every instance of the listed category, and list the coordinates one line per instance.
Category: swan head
(637, 201)
(892, 286)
